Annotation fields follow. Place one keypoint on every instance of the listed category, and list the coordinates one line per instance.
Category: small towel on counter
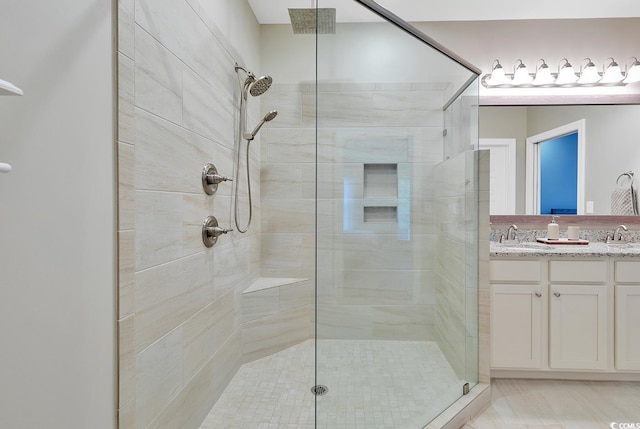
(624, 199)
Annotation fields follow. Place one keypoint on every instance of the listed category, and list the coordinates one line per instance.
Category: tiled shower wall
(179, 302)
(376, 277)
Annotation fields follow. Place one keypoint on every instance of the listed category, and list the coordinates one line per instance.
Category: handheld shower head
(268, 117)
(260, 86)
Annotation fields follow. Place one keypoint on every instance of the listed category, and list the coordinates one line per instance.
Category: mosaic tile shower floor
(372, 384)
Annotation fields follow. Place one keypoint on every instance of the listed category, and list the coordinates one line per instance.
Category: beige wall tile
(126, 93)
(191, 405)
(337, 108)
(126, 27)
(180, 30)
(226, 363)
(288, 215)
(260, 304)
(127, 415)
(196, 208)
(126, 361)
(281, 180)
(269, 335)
(375, 287)
(159, 376)
(288, 104)
(206, 332)
(295, 295)
(126, 195)
(158, 78)
(168, 157)
(126, 275)
(231, 267)
(189, 408)
(168, 294)
(208, 110)
(158, 228)
(408, 108)
(345, 322)
(407, 322)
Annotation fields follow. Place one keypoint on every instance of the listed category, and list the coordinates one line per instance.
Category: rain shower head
(260, 86)
(304, 21)
(268, 117)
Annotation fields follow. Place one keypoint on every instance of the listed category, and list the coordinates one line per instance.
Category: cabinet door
(578, 327)
(627, 327)
(516, 325)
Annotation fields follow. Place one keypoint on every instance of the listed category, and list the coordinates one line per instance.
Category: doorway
(555, 170)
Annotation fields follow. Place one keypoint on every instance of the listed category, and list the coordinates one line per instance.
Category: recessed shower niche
(380, 182)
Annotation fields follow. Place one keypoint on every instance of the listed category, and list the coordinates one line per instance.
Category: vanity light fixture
(589, 74)
(521, 75)
(566, 74)
(612, 74)
(543, 74)
(633, 73)
(497, 76)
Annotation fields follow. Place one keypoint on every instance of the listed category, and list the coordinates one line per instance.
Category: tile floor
(372, 385)
(556, 404)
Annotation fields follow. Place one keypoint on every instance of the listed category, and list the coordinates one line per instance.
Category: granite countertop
(593, 249)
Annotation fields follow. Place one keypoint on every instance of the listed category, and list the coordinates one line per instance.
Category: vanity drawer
(578, 271)
(627, 272)
(515, 271)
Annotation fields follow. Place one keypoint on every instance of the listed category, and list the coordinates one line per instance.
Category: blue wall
(559, 175)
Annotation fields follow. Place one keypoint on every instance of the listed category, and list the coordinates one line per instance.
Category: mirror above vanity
(610, 147)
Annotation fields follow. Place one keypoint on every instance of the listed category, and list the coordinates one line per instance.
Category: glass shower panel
(395, 269)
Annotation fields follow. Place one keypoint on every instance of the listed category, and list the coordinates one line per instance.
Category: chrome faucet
(617, 234)
(513, 228)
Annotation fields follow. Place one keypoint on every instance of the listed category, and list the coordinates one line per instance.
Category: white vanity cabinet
(578, 315)
(516, 326)
(516, 314)
(627, 315)
(552, 315)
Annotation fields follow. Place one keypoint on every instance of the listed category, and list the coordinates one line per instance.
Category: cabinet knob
(557, 294)
(538, 294)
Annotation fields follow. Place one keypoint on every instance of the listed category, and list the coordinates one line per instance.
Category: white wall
(508, 122)
(57, 222)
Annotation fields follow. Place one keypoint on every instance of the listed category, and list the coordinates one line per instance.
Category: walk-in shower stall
(351, 300)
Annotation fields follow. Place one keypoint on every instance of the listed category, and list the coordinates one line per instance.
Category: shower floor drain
(319, 390)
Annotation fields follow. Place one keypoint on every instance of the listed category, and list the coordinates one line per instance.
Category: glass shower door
(396, 227)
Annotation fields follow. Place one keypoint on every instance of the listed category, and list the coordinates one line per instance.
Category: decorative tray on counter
(560, 241)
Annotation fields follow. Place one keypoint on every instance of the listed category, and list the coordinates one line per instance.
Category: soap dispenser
(553, 229)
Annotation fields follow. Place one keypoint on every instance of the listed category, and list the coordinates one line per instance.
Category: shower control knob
(211, 231)
(211, 178)
(214, 179)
